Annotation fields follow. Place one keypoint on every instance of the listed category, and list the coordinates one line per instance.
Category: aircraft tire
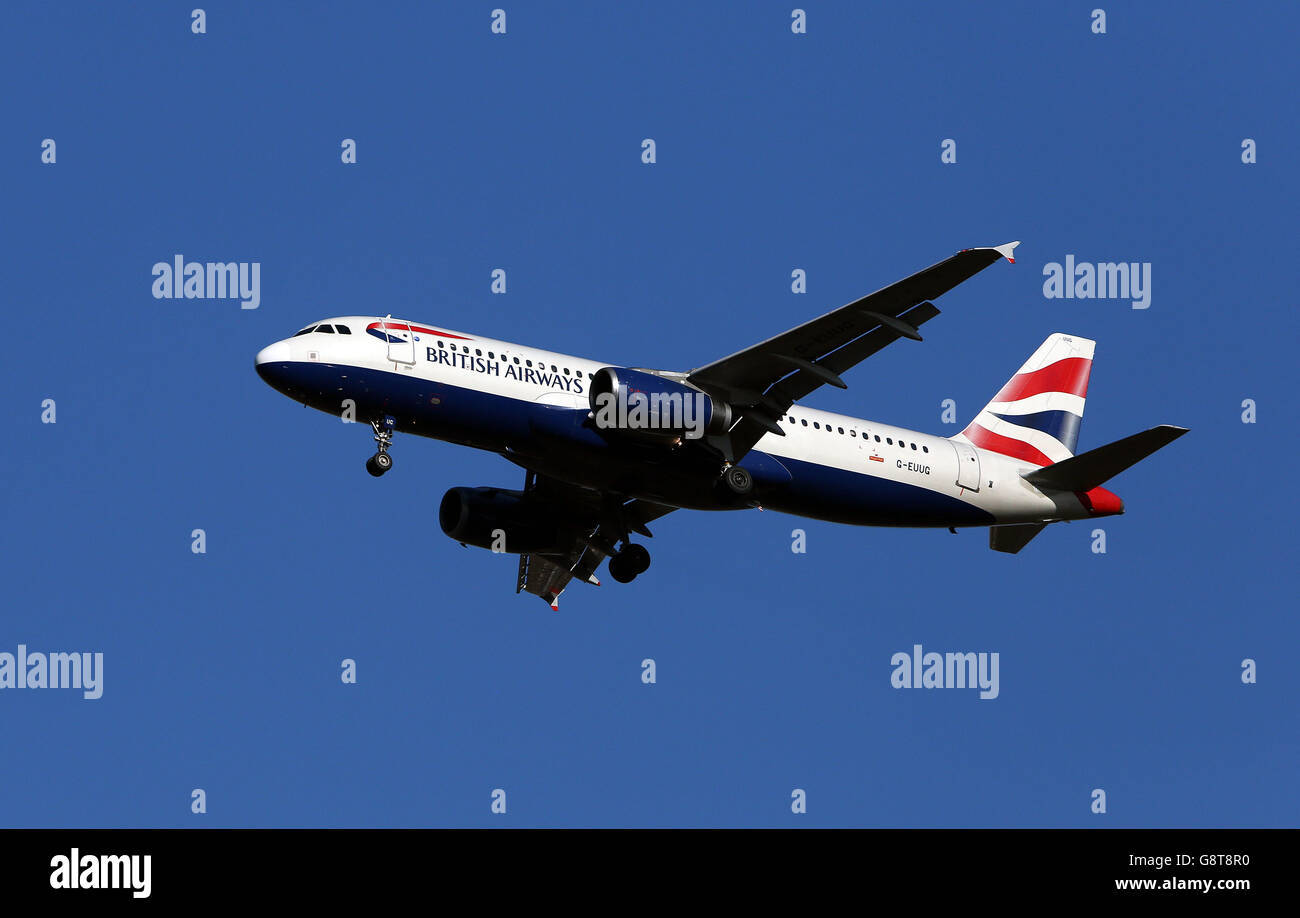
(738, 481)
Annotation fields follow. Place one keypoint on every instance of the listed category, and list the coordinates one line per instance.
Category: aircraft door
(968, 465)
(401, 340)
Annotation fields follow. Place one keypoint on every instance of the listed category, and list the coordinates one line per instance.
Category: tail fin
(1036, 415)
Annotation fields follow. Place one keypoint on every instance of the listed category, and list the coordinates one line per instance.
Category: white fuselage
(841, 468)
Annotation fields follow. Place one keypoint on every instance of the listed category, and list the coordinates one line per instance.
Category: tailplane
(1084, 475)
(1098, 466)
(1011, 539)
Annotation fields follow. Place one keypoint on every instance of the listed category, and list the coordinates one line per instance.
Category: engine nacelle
(636, 402)
(479, 516)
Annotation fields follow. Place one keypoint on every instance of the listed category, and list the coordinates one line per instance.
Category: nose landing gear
(381, 462)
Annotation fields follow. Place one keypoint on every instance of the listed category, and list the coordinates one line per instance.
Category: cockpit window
(343, 329)
(306, 331)
(326, 329)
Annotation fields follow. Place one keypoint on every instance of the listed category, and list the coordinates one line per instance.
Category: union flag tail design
(1036, 415)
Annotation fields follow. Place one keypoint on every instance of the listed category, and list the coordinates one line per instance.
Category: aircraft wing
(763, 381)
(547, 575)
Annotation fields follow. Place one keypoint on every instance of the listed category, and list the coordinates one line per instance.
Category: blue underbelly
(843, 496)
(513, 426)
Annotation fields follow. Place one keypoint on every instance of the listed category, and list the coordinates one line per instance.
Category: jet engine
(657, 407)
(511, 521)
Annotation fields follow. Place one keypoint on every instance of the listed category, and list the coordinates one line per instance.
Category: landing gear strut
(381, 462)
(632, 560)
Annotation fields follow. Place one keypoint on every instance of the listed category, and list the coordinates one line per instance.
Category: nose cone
(275, 353)
(273, 365)
(1101, 502)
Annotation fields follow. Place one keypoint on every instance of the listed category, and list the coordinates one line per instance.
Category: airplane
(601, 463)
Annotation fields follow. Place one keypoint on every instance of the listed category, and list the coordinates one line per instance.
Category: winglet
(1006, 251)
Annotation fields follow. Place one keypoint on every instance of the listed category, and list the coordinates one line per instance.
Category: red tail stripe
(1068, 375)
(1016, 449)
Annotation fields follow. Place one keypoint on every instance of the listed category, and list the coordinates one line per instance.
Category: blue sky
(1118, 671)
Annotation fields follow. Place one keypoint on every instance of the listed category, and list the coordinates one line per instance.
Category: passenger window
(841, 430)
(913, 446)
(889, 440)
(491, 356)
(877, 438)
(925, 449)
(566, 371)
(817, 426)
(528, 362)
(477, 352)
(804, 422)
(853, 433)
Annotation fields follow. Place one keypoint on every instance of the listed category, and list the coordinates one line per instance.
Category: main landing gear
(738, 480)
(632, 560)
(381, 462)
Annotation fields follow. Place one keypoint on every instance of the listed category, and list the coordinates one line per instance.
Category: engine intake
(636, 402)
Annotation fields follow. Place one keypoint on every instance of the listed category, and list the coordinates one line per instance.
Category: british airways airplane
(596, 477)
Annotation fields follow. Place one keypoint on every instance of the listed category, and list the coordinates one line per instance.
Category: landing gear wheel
(379, 463)
(628, 563)
(738, 481)
(636, 557)
(620, 569)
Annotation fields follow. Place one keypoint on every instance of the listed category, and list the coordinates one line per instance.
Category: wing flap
(542, 576)
(547, 575)
(759, 366)
(797, 385)
(769, 377)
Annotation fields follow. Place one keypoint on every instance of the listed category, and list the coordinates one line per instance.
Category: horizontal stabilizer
(1097, 466)
(1011, 539)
